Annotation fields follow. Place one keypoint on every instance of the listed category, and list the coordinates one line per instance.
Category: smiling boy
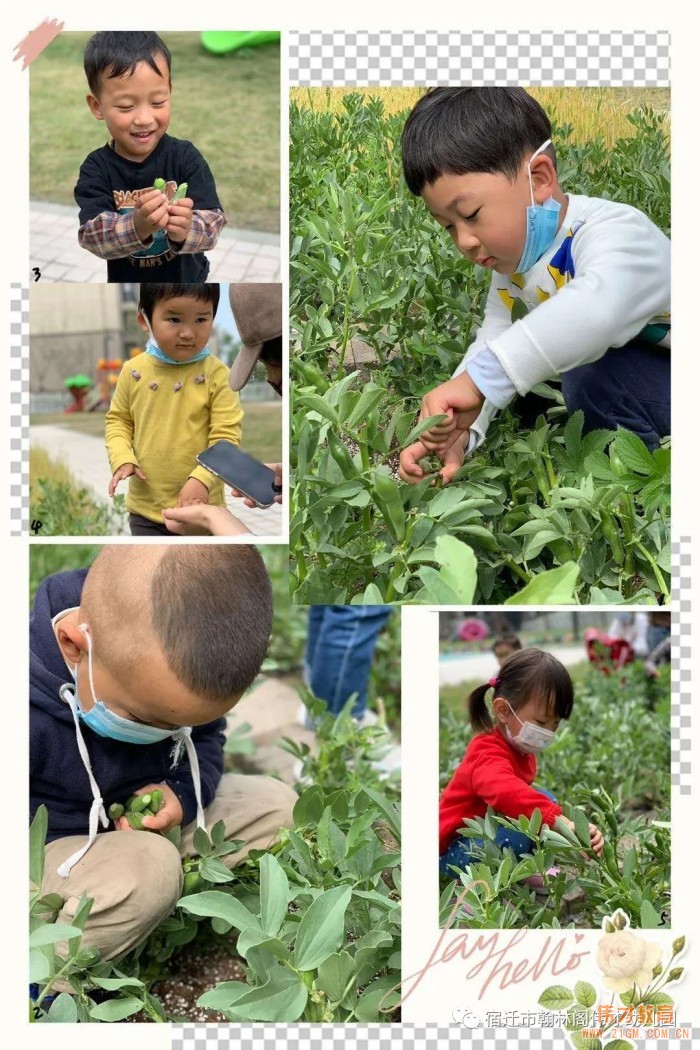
(580, 286)
(170, 403)
(142, 232)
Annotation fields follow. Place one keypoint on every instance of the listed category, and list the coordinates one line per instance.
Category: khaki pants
(135, 877)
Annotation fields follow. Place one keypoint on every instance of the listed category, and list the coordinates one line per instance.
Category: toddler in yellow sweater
(170, 403)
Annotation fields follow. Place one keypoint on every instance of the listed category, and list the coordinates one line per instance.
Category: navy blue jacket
(58, 778)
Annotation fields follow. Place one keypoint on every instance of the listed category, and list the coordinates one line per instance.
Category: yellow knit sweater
(161, 417)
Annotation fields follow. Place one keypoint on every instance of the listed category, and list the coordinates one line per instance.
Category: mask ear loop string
(97, 810)
(185, 736)
(529, 169)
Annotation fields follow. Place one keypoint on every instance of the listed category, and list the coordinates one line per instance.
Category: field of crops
(309, 930)
(608, 765)
(540, 514)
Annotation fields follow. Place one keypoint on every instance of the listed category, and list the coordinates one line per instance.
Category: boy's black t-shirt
(107, 182)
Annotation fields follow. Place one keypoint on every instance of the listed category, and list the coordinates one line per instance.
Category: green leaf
(422, 427)
(389, 810)
(282, 998)
(321, 929)
(585, 993)
(619, 1044)
(116, 1009)
(553, 587)
(39, 967)
(52, 933)
(378, 1000)
(202, 843)
(222, 905)
(63, 1009)
(518, 310)
(581, 825)
(634, 453)
(113, 984)
(649, 918)
(582, 1043)
(659, 999)
(556, 997)
(308, 809)
(317, 404)
(214, 871)
(334, 974)
(37, 841)
(458, 566)
(274, 894)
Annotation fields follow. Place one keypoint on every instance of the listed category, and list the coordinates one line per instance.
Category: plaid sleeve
(206, 227)
(111, 235)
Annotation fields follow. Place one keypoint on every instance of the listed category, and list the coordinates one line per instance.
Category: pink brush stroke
(37, 40)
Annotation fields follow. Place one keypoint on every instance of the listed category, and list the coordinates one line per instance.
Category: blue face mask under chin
(542, 223)
(110, 725)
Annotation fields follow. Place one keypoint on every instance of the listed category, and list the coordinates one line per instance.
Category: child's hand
(452, 459)
(193, 491)
(150, 214)
(201, 519)
(597, 840)
(460, 400)
(123, 472)
(179, 220)
(170, 814)
(277, 467)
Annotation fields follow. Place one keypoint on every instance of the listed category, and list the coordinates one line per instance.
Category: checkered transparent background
(342, 59)
(381, 1037)
(19, 409)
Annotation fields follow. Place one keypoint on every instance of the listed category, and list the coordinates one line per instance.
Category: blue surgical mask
(110, 725)
(154, 350)
(542, 223)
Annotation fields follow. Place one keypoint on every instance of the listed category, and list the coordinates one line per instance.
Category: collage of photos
(470, 343)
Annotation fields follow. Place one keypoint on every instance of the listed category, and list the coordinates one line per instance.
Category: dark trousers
(630, 386)
(140, 526)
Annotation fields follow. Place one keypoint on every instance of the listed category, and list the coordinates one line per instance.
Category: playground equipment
(221, 43)
(78, 387)
(88, 397)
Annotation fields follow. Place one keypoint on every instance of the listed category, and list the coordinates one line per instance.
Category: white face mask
(531, 739)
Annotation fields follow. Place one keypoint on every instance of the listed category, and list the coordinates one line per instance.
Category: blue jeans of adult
(656, 635)
(458, 854)
(339, 651)
(630, 386)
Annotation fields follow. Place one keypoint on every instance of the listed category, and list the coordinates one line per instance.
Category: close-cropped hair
(114, 54)
(150, 294)
(209, 608)
(465, 130)
(529, 674)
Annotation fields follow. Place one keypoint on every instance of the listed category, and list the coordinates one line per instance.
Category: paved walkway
(85, 457)
(240, 255)
(473, 666)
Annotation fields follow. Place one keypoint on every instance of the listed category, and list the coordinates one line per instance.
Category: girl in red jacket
(531, 694)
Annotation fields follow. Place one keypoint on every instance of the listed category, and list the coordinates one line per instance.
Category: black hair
(212, 614)
(529, 674)
(150, 294)
(459, 131)
(272, 351)
(114, 54)
(510, 640)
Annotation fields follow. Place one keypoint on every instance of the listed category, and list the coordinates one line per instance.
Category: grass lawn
(262, 427)
(227, 105)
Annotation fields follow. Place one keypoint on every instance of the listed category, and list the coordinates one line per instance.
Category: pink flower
(473, 630)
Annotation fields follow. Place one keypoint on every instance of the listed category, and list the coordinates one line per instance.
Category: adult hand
(201, 519)
(277, 467)
(123, 472)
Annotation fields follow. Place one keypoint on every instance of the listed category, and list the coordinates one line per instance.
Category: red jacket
(492, 773)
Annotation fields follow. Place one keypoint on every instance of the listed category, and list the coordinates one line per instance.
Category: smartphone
(241, 471)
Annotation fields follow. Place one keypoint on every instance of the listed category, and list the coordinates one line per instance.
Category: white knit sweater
(605, 279)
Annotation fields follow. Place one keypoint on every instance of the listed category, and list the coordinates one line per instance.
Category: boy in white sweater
(580, 286)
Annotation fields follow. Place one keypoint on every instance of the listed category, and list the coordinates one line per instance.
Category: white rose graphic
(626, 960)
